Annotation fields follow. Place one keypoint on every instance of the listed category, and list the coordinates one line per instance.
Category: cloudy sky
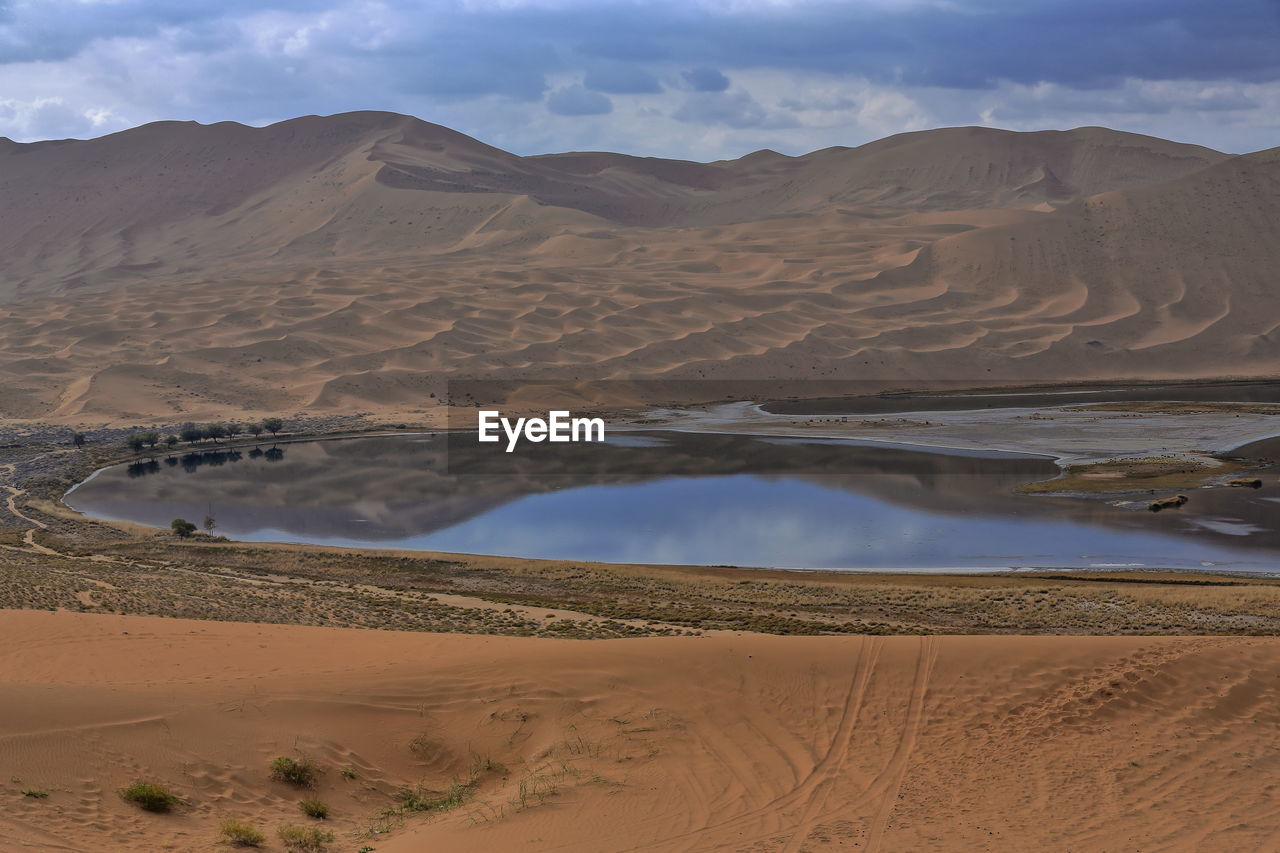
(701, 79)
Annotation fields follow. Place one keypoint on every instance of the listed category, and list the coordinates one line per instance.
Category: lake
(682, 498)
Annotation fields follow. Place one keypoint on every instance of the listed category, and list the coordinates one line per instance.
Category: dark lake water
(684, 498)
(1259, 391)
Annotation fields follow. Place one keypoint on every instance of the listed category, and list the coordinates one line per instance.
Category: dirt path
(11, 504)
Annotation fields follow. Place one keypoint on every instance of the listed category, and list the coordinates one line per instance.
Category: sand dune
(179, 270)
(859, 743)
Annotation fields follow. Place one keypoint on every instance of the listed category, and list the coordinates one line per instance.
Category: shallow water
(682, 498)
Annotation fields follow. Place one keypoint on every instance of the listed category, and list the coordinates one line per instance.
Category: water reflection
(193, 461)
(683, 498)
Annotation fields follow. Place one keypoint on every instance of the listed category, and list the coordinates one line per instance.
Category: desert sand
(723, 742)
(352, 263)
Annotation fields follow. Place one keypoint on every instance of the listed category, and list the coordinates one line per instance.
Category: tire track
(897, 767)
(828, 768)
(820, 778)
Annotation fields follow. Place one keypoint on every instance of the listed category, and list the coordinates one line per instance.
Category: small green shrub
(239, 833)
(314, 808)
(296, 771)
(35, 793)
(348, 772)
(309, 839)
(150, 796)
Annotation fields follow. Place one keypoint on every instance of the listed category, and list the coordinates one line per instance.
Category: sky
(693, 79)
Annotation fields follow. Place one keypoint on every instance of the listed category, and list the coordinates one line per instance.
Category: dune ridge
(180, 270)
(851, 743)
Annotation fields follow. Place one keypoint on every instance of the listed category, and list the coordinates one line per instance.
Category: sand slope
(718, 743)
(344, 263)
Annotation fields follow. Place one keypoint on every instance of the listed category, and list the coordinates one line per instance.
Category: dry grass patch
(305, 839)
(239, 833)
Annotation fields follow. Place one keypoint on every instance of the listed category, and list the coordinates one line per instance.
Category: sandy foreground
(726, 742)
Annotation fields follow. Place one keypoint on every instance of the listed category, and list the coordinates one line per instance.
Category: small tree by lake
(234, 429)
(136, 442)
(151, 437)
(171, 441)
(255, 430)
(190, 433)
(215, 431)
(272, 425)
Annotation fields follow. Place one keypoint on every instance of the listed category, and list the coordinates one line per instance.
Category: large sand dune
(346, 263)
(718, 743)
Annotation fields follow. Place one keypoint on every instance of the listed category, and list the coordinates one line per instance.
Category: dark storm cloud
(709, 62)
(964, 44)
(49, 30)
(706, 80)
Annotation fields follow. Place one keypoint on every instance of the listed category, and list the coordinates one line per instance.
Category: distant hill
(179, 269)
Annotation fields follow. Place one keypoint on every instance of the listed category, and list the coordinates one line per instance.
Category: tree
(151, 437)
(234, 429)
(255, 430)
(190, 433)
(272, 425)
(78, 439)
(135, 442)
(210, 523)
(215, 431)
(182, 528)
(171, 441)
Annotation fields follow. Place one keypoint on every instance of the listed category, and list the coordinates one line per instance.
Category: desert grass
(314, 808)
(239, 833)
(305, 839)
(301, 772)
(150, 796)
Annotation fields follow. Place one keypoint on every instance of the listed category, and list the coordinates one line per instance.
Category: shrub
(239, 833)
(305, 838)
(150, 796)
(35, 793)
(348, 772)
(314, 808)
(296, 771)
